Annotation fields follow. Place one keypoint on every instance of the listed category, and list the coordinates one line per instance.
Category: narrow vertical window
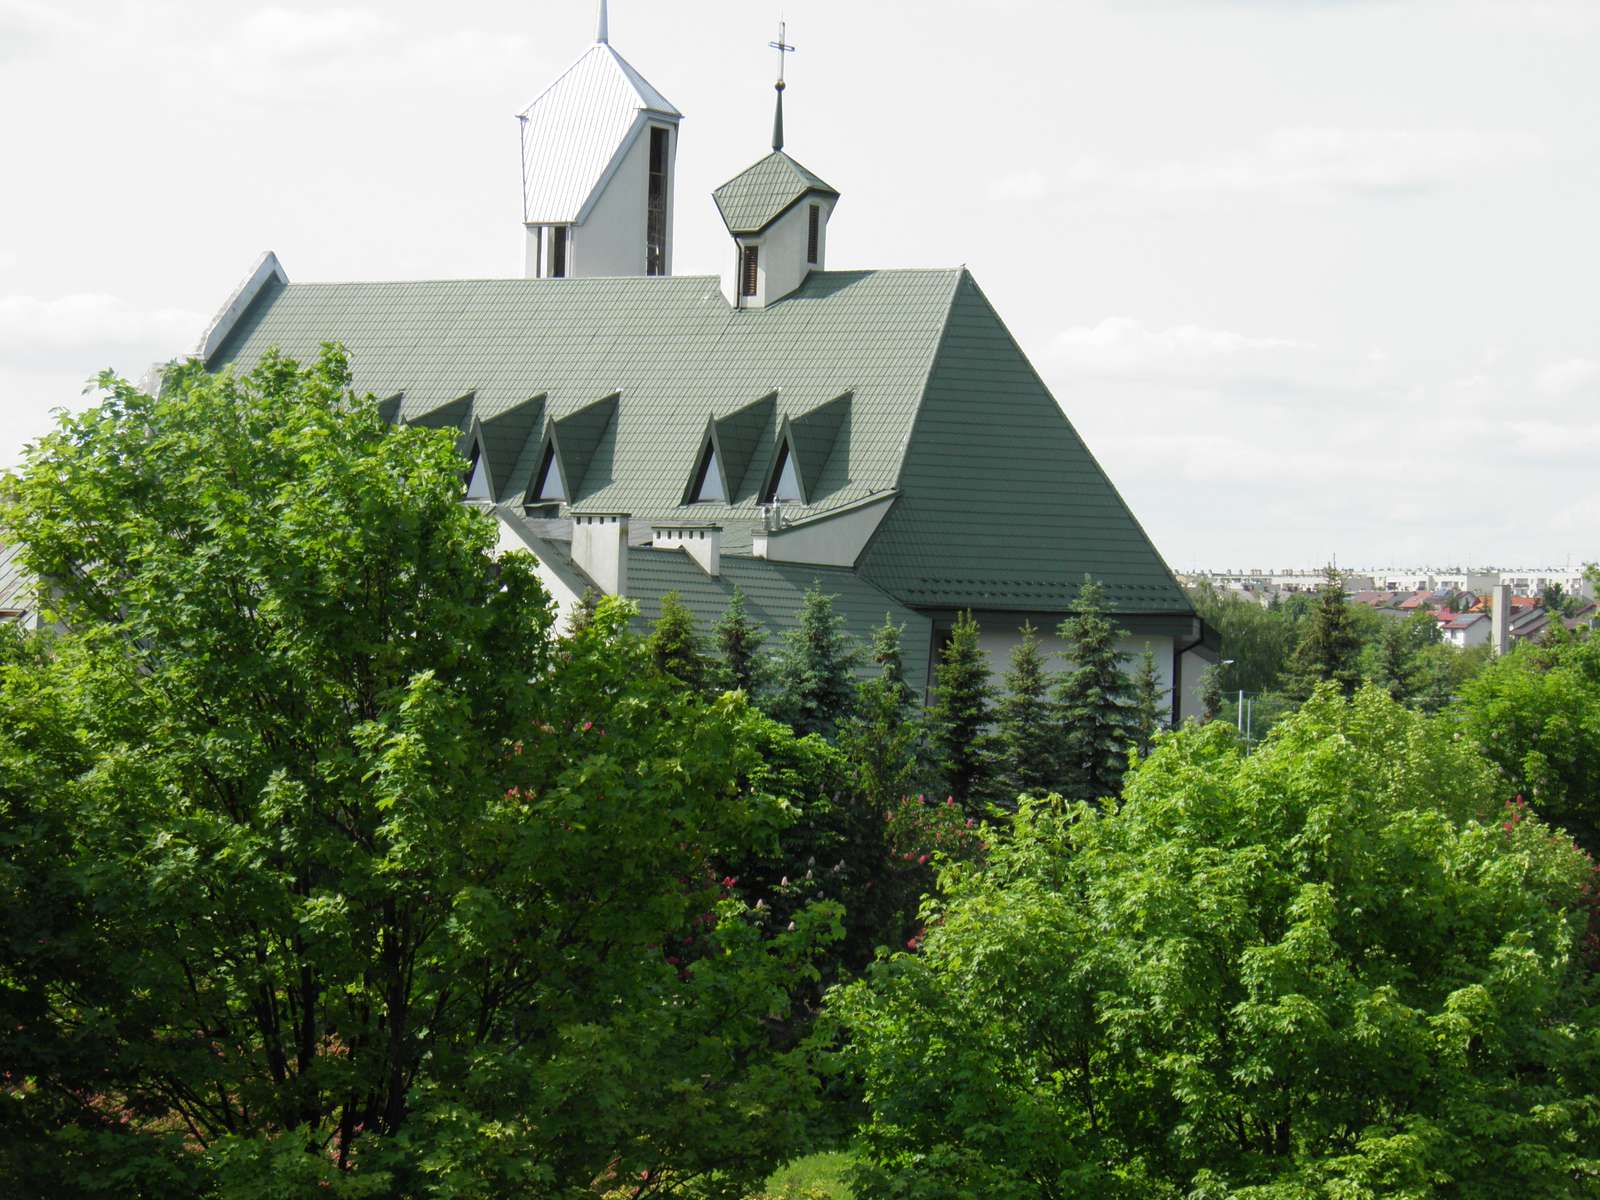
(655, 235)
(550, 486)
(814, 235)
(748, 271)
(477, 478)
(558, 252)
(708, 479)
(784, 486)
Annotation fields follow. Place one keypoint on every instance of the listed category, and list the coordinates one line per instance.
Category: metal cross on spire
(784, 50)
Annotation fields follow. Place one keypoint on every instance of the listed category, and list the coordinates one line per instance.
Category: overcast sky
(1311, 277)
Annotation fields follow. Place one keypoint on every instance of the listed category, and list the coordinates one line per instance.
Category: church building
(876, 433)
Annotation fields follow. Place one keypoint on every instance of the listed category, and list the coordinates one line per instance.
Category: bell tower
(599, 158)
(778, 213)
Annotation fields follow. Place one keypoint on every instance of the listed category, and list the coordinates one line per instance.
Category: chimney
(1500, 635)
(600, 548)
(703, 543)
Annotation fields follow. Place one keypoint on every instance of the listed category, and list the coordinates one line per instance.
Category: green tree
(1330, 644)
(814, 676)
(1392, 659)
(1150, 704)
(676, 648)
(1336, 967)
(1094, 701)
(349, 875)
(1211, 695)
(739, 642)
(1536, 714)
(887, 655)
(1029, 737)
(961, 716)
(1259, 640)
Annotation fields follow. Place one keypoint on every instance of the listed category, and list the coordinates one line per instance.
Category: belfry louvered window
(748, 270)
(558, 252)
(655, 235)
(814, 235)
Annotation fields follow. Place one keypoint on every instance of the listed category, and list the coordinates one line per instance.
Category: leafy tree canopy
(327, 868)
(1337, 967)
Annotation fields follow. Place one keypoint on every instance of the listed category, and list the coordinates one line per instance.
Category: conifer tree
(963, 710)
(583, 613)
(813, 679)
(675, 645)
(1029, 750)
(887, 655)
(739, 642)
(882, 740)
(1330, 645)
(1149, 701)
(1094, 701)
(1211, 694)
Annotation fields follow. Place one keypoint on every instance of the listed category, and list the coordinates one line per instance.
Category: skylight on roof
(708, 479)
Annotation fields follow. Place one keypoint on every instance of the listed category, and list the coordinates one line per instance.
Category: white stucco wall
(836, 541)
(611, 240)
(782, 265)
(565, 597)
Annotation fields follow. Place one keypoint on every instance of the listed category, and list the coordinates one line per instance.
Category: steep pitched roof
(999, 504)
(578, 129)
(760, 194)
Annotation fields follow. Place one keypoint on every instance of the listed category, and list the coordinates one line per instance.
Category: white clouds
(93, 322)
(1569, 378)
(1123, 346)
(1302, 163)
(285, 32)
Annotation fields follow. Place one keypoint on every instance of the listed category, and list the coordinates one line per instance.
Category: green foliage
(1211, 697)
(1030, 753)
(1536, 714)
(1259, 640)
(1394, 659)
(960, 717)
(815, 1177)
(1150, 706)
(814, 676)
(1330, 643)
(1441, 672)
(883, 739)
(1336, 967)
(326, 864)
(742, 665)
(676, 648)
(886, 654)
(1094, 701)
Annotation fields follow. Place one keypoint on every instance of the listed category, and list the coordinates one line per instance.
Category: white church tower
(778, 213)
(599, 148)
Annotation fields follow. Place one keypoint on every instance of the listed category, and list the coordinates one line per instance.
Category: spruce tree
(1029, 754)
(963, 709)
(1330, 646)
(583, 612)
(882, 740)
(675, 646)
(739, 641)
(1094, 701)
(887, 655)
(1211, 694)
(1149, 701)
(813, 682)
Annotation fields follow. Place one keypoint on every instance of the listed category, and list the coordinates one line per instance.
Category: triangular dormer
(599, 148)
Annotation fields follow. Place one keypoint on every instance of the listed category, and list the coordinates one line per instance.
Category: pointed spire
(602, 32)
(784, 49)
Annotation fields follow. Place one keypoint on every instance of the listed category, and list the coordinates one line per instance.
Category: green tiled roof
(760, 194)
(773, 594)
(1003, 506)
(887, 379)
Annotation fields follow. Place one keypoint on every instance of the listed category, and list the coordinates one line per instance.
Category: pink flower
(922, 861)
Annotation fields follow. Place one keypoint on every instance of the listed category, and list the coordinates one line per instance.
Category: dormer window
(477, 476)
(549, 487)
(708, 478)
(814, 235)
(785, 485)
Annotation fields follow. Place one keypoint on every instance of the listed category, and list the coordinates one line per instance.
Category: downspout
(1177, 668)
